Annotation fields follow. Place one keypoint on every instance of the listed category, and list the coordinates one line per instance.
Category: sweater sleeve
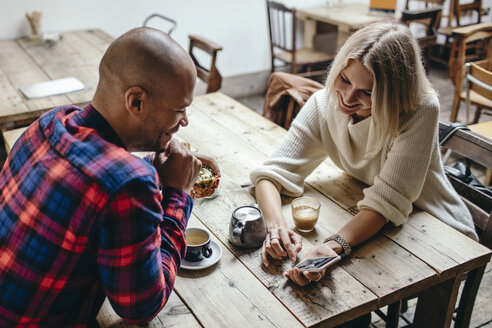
(299, 153)
(402, 176)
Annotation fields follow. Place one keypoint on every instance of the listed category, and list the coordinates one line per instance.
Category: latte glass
(305, 213)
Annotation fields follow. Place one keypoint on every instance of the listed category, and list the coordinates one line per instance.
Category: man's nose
(184, 120)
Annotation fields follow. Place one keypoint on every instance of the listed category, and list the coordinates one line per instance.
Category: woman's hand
(304, 278)
(280, 242)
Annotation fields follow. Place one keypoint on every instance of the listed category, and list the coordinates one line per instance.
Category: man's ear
(134, 100)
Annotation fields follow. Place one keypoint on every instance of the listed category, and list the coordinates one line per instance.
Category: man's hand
(177, 167)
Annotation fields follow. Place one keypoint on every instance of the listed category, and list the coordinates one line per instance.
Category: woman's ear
(134, 99)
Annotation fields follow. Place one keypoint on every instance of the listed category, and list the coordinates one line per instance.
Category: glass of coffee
(197, 244)
(305, 212)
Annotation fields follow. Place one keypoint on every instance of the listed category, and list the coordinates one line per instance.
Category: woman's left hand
(304, 278)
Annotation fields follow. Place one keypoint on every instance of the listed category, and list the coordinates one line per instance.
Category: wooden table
(346, 17)
(424, 256)
(24, 62)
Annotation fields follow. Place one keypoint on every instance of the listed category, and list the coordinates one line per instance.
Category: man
(80, 217)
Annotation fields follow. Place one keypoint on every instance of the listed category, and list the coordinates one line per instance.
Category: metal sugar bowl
(247, 227)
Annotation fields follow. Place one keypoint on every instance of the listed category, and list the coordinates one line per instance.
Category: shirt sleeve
(141, 244)
(402, 176)
(299, 153)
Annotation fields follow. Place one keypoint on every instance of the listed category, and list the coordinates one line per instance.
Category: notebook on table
(51, 88)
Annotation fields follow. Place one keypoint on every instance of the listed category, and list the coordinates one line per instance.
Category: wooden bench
(11, 136)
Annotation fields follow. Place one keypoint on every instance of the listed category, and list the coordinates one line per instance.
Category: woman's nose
(351, 96)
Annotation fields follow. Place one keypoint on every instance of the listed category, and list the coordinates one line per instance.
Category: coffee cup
(197, 244)
(305, 213)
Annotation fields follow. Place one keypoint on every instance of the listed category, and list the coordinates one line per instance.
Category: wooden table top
(24, 62)
(347, 17)
(423, 255)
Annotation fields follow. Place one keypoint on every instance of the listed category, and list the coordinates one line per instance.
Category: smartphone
(318, 264)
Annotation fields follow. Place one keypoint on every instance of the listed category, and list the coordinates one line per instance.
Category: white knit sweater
(408, 170)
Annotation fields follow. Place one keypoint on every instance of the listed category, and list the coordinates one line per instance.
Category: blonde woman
(377, 119)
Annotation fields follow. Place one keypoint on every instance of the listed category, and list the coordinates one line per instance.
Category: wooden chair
(479, 91)
(282, 23)
(478, 85)
(169, 22)
(479, 150)
(210, 75)
(430, 19)
(432, 53)
(463, 37)
(286, 94)
(461, 13)
(207, 73)
(458, 10)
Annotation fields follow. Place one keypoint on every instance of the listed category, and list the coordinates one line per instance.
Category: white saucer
(206, 262)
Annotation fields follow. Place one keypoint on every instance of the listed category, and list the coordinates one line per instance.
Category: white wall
(240, 26)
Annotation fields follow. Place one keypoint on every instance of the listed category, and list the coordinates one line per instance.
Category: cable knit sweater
(408, 170)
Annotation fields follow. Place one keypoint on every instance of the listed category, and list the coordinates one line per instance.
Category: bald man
(80, 217)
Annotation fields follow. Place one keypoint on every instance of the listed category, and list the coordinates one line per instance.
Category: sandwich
(206, 183)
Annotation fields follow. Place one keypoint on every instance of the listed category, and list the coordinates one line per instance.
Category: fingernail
(293, 258)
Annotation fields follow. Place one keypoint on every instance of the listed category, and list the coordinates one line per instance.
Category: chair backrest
(479, 150)
(479, 80)
(170, 23)
(459, 9)
(209, 74)
(429, 18)
(282, 24)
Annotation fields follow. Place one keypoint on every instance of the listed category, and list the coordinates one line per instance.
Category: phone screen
(318, 264)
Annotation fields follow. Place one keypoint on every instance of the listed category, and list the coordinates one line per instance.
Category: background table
(424, 256)
(24, 62)
(346, 17)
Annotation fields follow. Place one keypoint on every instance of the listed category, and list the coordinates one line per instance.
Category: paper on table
(51, 88)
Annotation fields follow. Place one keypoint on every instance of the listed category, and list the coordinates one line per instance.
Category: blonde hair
(392, 55)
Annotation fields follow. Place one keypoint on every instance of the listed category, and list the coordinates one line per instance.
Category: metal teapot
(247, 228)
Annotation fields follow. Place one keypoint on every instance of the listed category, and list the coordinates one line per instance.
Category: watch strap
(345, 246)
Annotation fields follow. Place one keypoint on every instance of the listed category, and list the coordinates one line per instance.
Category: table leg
(435, 306)
(343, 34)
(309, 33)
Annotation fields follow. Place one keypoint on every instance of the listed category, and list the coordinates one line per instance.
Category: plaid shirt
(81, 219)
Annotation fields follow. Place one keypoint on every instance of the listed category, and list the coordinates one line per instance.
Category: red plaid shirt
(81, 219)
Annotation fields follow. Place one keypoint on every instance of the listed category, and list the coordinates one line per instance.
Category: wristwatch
(345, 246)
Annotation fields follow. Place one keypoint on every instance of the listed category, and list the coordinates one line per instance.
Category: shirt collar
(91, 118)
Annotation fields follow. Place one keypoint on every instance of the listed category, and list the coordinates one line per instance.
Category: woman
(377, 119)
